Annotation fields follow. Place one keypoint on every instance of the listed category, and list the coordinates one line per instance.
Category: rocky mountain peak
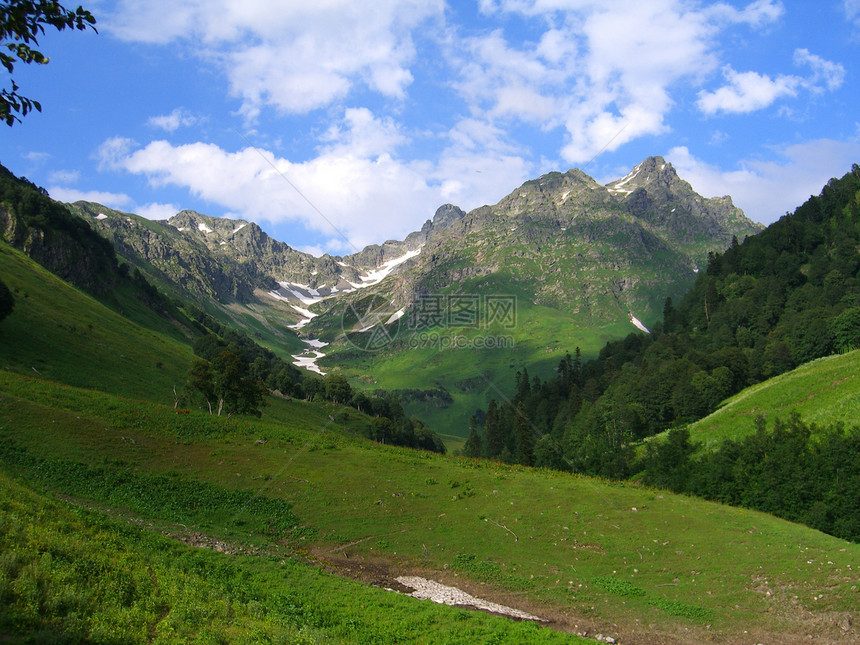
(652, 173)
(447, 214)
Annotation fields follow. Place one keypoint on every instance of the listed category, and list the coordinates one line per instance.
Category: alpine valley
(207, 436)
(562, 262)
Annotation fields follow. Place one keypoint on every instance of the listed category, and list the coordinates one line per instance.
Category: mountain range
(579, 262)
(645, 227)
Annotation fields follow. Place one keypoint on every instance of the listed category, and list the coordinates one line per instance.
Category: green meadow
(585, 554)
(823, 391)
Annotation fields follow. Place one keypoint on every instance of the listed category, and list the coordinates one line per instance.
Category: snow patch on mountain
(638, 323)
(384, 270)
(397, 315)
(617, 188)
(309, 357)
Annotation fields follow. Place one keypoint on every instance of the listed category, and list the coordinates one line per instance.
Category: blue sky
(335, 123)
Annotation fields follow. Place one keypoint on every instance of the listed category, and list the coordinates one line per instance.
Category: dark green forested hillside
(781, 298)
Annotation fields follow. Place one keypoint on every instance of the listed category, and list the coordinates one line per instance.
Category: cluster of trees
(233, 375)
(796, 471)
(781, 298)
(259, 363)
(389, 425)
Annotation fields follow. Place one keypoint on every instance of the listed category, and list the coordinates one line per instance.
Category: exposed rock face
(666, 204)
(71, 250)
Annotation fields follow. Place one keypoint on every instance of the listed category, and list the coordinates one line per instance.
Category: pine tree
(495, 440)
(525, 453)
(473, 447)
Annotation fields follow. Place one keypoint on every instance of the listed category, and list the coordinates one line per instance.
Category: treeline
(796, 471)
(781, 298)
(390, 423)
(440, 397)
(234, 373)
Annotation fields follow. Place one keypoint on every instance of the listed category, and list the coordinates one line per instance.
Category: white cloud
(750, 91)
(363, 135)
(831, 74)
(746, 92)
(113, 150)
(605, 70)
(333, 246)
(71, 195)
(295, 56)
(157, 211)
(37, 157)
(356, 187)
(480, 165)
(180, 117)
(766, 190)
(756, 14)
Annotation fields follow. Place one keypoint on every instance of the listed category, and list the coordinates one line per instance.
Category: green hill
(823, 391)
(617, 559)
(66, 335)
(102, 481)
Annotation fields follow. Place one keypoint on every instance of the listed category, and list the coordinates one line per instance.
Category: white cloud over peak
(118, 201)
(294, 56)
(155, 210)
(355, 190)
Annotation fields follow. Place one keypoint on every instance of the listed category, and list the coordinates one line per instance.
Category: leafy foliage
(797, 471)
(7, 301)
(21, 23)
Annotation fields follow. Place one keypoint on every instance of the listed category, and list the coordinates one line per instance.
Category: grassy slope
(823, 391)
(542, 336)
(65, 335)
(615, 557)
(71, 575)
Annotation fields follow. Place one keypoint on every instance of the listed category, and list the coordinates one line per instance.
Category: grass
(606, 556)
(823, 391)
(568, 547)
(63, 334)
(71, 575)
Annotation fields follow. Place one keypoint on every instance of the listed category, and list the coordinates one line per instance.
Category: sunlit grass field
(578, 551)
(823, 391)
